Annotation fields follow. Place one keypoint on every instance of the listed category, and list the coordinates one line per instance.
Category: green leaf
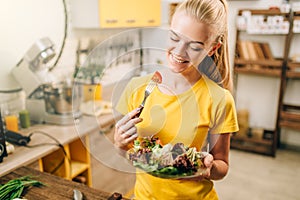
(14, 188)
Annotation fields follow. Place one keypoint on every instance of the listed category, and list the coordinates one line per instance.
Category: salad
(166, 161)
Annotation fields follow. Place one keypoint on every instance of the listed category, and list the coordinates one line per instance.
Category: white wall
(24, 22)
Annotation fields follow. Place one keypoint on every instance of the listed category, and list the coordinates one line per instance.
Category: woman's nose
(181, 49)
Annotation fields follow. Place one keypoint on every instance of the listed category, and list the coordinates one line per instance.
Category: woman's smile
(177, 63)
(178, 59)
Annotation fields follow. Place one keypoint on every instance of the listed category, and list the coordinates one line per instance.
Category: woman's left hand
(208, 163)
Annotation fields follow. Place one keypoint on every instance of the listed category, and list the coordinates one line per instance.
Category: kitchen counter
(23, 156)
(55, 187)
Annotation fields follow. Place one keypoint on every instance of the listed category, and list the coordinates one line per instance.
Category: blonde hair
(213, 12)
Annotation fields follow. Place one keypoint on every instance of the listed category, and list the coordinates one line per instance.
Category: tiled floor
(251, 176)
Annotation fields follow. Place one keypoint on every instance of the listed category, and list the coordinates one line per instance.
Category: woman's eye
(175, 39)
(195, 47)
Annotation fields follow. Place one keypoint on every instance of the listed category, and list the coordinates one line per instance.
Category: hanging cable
(57, 143)
(65, 35)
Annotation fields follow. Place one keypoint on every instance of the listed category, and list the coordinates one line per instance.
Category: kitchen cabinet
(254, 58)
(129, 13)
(115, 13)
(72, 163)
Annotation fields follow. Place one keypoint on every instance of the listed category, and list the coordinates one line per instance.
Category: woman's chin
(176, 70)
(179, 68)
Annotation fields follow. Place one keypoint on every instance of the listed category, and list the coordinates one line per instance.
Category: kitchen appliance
(3, 151)
(48, 100)
(16, 138)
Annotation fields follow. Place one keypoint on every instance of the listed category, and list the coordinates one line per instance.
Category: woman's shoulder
(212, 85)
(215, 90)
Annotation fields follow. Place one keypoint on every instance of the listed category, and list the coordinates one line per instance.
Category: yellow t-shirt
(186, 118)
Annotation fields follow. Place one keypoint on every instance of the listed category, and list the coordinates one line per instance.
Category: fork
(156, 79)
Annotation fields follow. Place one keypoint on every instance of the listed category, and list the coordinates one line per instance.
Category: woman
(188, 106)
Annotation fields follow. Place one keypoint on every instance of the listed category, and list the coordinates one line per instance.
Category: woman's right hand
(125, 130)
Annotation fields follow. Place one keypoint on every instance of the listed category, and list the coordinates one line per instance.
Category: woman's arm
(219, 159)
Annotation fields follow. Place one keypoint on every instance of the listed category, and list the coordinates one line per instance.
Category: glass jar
(11, 104)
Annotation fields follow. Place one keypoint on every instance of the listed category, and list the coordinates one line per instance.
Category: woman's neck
(177, 83)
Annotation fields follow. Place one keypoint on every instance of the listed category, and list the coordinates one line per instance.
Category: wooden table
(64, 134)
(56, 187)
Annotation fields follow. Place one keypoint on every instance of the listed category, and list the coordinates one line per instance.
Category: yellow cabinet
(129, 13)
(71, 163)
(151, 12)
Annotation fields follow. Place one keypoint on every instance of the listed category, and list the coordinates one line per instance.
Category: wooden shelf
(290, 119)
(293, 70)
(77, 168)
(292, 116)
(290, 124)
(262, 33)
(292, 108)
(263, 67)
(294, 65)
(263, 72)
(250, 144)
(256, 58)
(260, 141)
(293, 74)
(75, 162)
(264, 12)
(275, 63)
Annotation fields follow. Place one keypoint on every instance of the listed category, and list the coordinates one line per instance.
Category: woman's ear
(214, 49)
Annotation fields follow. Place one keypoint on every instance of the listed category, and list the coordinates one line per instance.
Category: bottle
(12, 122)
(98, 92)
(24, 118)
(285, 6)
(10, 118)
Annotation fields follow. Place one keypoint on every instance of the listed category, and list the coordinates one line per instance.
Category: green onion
(14, 188)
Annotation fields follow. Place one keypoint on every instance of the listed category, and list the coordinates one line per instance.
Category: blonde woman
(188, 106)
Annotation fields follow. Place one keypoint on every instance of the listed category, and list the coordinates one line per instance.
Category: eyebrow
(190, 41)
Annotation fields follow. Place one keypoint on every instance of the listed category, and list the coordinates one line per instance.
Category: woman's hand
(208, 163)
(126, 131)
(216, 161)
